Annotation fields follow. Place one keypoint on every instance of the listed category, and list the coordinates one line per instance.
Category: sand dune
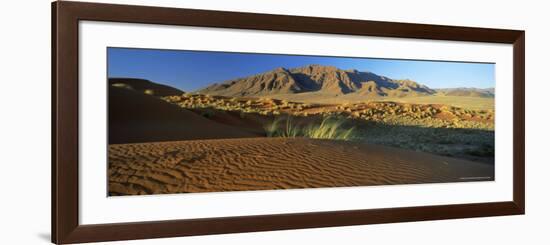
(144, 86)
(137, 117)
(275, 163)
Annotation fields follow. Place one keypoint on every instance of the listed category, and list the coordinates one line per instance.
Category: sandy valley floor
(275, 163)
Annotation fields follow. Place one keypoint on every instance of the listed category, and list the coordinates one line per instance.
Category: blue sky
(192, 70)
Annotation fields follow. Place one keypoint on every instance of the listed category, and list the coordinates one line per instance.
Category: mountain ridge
(329, 80)
(466, 91)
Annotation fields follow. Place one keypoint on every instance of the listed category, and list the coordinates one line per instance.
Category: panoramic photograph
(184, 121)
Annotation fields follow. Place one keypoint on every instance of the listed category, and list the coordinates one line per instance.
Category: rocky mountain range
(472, 92)
(310, 83)
(327, 80)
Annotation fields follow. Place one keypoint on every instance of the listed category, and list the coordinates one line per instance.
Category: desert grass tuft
(328, 128)
(272, 129)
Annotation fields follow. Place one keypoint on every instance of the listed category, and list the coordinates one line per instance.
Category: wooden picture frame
(65, 121)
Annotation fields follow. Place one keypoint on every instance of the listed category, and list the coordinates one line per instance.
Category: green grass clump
(282, 127)
(329, 128)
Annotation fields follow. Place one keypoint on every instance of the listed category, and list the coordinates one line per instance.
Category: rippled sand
(275, 163)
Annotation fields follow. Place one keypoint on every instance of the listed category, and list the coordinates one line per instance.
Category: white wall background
(25, 121)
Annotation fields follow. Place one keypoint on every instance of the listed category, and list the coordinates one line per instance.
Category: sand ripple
(275, 163)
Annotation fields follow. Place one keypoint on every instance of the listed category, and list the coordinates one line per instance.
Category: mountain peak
(280, 69)
(319, 68)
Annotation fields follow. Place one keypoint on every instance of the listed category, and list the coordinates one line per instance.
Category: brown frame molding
(65, 224)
